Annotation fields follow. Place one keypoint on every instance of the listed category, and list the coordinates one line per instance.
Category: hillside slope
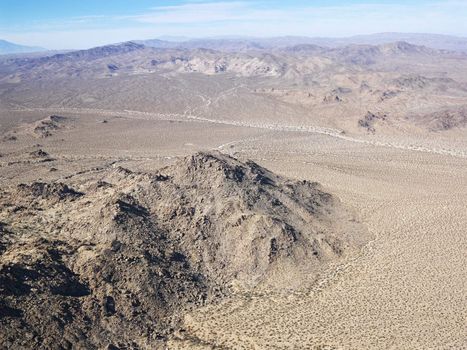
(118, 260)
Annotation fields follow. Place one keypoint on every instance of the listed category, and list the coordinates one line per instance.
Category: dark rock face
(116, 265)
(112, 67)
(368, 122)
(48, 191)
(39, 153)
(40, 298)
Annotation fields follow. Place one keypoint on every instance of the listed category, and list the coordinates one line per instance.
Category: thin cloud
(249, 13)
(196, 13)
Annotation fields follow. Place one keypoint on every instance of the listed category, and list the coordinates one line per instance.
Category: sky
(76, 24)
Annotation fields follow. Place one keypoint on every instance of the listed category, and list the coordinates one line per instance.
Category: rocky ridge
(115, 262)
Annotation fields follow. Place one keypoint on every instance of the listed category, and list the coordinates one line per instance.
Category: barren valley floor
(405, 290)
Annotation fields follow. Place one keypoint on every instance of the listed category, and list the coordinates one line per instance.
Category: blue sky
(84, 23)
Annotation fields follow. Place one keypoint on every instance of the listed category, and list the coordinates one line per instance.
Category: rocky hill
(114, 261)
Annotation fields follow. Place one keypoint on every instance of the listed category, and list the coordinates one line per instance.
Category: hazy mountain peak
(7, 47)
(404, 47)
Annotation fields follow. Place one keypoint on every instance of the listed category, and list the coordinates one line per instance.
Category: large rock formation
(115, 262)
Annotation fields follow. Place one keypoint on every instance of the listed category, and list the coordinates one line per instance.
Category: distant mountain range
(7, 47)
(435, 41)
(235, 44)
(291, 62)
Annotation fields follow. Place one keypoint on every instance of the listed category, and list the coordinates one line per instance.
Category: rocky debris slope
(115, 262)
(443, 119)
(44, 128)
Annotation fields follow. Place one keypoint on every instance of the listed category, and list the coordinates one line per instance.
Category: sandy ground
(407, 288)
(405, 291)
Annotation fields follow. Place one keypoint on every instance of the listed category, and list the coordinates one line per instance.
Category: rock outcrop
(115, 262)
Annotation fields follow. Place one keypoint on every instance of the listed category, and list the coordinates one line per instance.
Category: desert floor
(407, 288)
